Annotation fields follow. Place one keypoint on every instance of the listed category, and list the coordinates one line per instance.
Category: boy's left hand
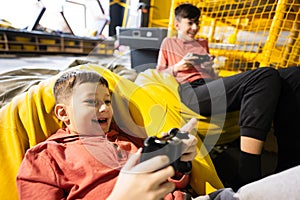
(189, 145)
(208, 66)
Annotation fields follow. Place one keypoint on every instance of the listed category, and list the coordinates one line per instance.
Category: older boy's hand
(190, 60)
(189, 147)
(185, 63)
(147, 180)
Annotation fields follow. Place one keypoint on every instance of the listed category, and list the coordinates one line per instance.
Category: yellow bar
(125, 17)
(160, 23)
(119, 3)
(171, 19)
(212, 30)
(274, 32)
(150, 22)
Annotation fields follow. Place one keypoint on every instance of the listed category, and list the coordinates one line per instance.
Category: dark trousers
(287, 119)
(254, 93)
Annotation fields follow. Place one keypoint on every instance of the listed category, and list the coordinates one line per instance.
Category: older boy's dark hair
(65, 84)
(187, 10)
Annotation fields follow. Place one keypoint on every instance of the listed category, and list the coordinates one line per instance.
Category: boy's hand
(147, 180)
(185, 63)
(189, 145)
(191, 60)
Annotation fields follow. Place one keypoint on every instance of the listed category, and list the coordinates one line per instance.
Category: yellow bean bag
(149, 104)
(218, 129)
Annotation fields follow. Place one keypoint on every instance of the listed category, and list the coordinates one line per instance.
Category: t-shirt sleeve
(162, 61)
(181, 182)
(37, 179)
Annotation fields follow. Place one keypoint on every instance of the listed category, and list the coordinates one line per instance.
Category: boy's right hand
(185, 63)
(146, 180)
(191, 60)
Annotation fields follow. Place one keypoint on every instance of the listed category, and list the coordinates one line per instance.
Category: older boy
(254, 93)
(84, 159)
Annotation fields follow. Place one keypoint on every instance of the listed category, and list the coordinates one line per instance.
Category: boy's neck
(185, 38)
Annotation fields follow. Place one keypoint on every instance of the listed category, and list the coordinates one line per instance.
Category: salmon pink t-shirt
(173, 49)
(72, 166)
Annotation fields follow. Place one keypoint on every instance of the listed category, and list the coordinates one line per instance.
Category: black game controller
(201, 58)
(170, 145)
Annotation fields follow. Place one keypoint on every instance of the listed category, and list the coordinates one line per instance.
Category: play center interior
(120, 39)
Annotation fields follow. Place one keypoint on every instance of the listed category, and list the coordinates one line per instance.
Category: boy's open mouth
(101, 121)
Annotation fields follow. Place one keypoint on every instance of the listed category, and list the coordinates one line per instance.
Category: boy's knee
(269, 71)
(272, 78)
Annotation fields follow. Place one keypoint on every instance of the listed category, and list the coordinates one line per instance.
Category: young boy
(254, 93)
(84, 159)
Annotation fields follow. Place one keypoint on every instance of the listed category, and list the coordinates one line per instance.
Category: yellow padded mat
(148, 104)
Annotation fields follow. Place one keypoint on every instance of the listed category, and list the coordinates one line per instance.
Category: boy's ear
(176, 24)
(61, 112)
